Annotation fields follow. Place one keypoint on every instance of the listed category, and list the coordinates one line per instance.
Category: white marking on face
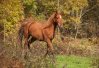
(60, 16)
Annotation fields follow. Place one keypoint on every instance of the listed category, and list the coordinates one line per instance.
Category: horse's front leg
(49, 43)
(50, 49)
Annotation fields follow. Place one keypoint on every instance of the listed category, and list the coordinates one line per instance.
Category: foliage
(30, 7)
(91, 19)
(11, 13)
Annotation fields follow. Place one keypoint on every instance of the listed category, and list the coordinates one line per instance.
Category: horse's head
(58, 19)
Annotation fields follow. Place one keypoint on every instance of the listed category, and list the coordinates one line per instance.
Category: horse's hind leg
(26, 42)
(30, 40)
(24, 51)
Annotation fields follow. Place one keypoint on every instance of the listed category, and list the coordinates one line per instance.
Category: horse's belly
(36, 33)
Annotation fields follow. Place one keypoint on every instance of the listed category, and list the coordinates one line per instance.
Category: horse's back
(27, 21)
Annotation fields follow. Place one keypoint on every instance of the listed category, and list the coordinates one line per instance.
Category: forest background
(81, 26)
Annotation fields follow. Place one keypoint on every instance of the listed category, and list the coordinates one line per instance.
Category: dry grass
(11, 54)
(82, 47)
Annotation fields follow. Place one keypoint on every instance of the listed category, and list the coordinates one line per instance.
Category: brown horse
(33, 30)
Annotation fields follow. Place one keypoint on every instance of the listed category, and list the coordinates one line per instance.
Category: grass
(73, 62)
(81, 47)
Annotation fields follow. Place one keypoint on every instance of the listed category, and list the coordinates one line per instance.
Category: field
(74, 62)
(75, 55)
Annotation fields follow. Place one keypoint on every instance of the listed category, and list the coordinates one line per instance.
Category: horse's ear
(56, 11)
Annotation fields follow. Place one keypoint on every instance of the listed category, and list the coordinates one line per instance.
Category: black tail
(20, 35)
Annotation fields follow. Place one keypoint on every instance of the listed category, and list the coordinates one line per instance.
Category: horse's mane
(51, 17)
(49, 21)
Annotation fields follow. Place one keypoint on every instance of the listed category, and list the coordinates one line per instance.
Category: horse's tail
(20, 35)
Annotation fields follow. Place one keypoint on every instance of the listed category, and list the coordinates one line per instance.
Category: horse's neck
(51, 26)
(50, 23)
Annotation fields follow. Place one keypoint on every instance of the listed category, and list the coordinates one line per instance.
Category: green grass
(73, 62)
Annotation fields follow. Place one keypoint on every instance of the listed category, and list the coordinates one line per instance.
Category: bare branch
(88, 10)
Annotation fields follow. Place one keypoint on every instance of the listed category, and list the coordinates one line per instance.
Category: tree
(73, 11)
(11, 14)
(1, 23)
(91, 19)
